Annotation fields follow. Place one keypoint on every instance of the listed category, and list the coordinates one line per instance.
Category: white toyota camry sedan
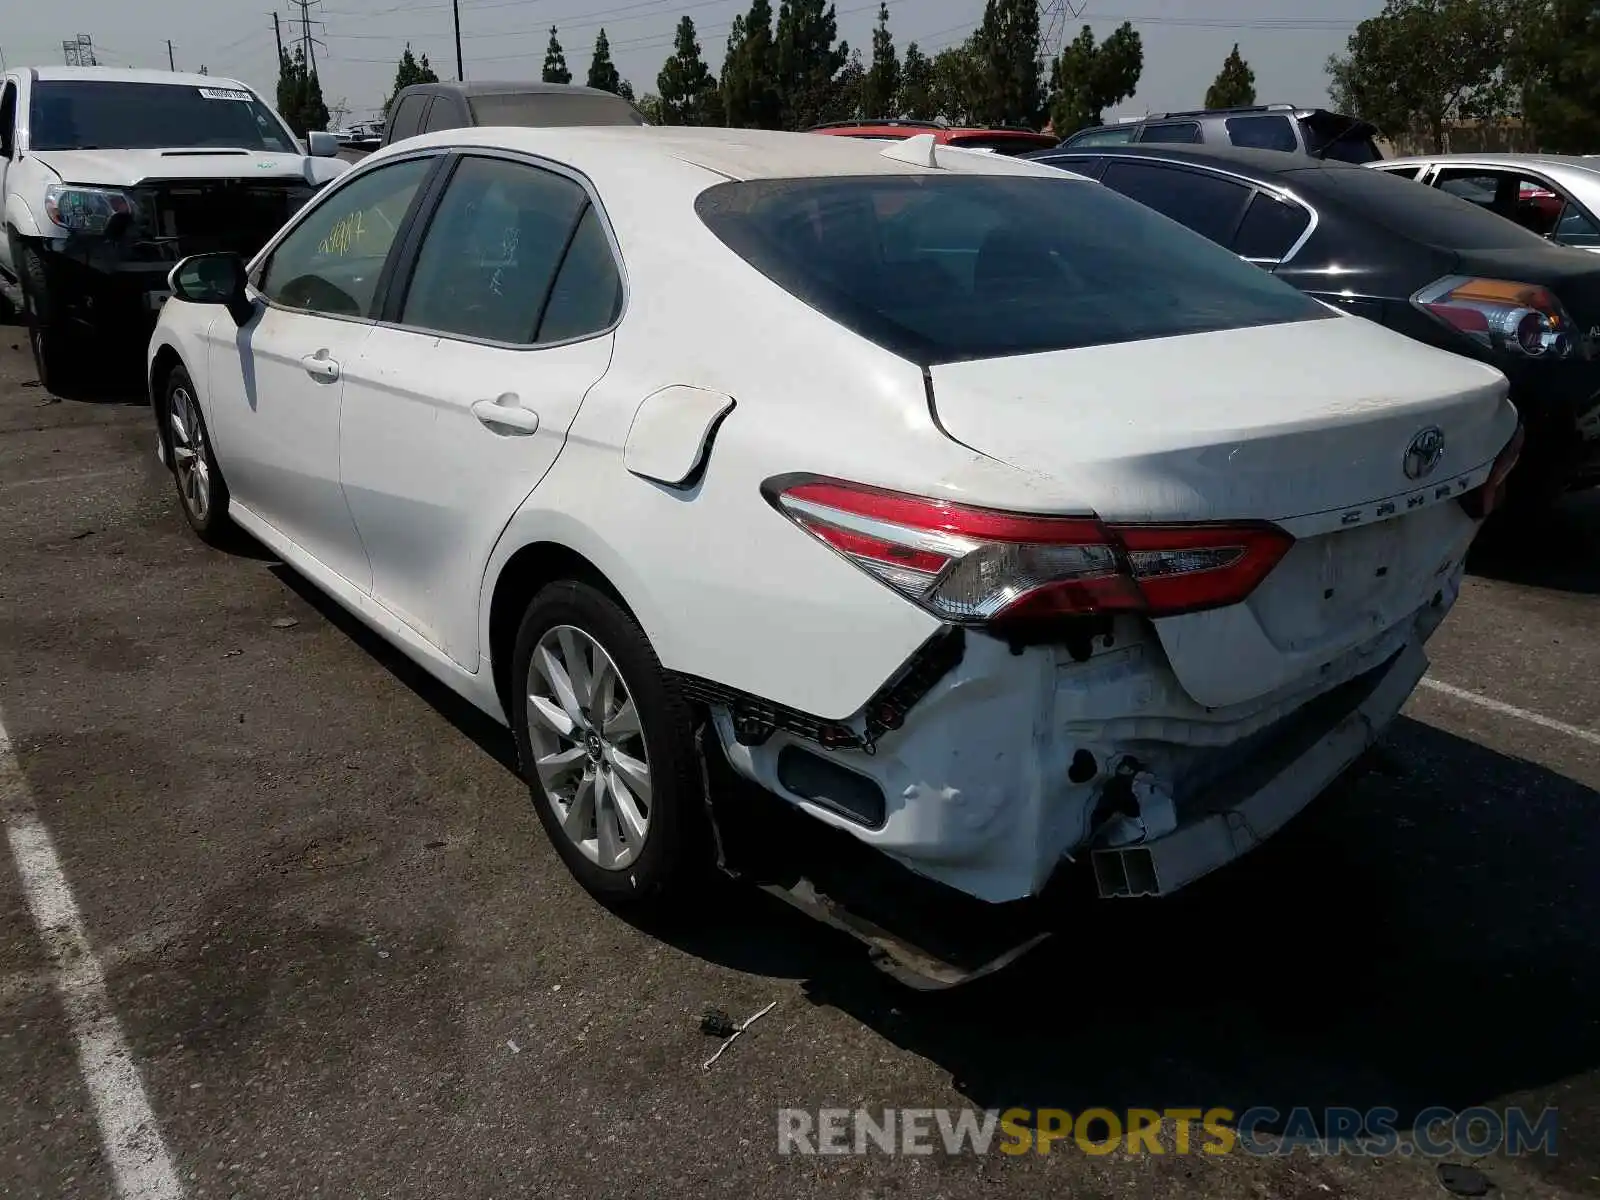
(975, 510)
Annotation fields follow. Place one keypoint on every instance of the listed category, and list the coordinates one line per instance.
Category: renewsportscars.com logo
(1369, 1133)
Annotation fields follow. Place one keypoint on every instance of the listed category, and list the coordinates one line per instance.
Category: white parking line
(134, 1147)
(1511, 710)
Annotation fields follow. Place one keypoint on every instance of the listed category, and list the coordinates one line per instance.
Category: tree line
(1421, 66)
(788, 69)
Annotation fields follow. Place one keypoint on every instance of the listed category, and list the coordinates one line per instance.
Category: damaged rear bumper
(1020, 762)
(1228, 823)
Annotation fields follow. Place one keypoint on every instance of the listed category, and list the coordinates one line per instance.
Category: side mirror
(323, 145)
(214, 279)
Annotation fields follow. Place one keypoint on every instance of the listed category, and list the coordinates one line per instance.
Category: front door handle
(505, 415)
(321, 366)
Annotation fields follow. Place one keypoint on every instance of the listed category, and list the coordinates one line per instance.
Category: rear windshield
(1339, 138)
(1016, 144)
(1415, 211)
(941, 268)
(550, 109)
(91, 115)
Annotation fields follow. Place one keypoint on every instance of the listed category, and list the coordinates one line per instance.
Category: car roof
(508, 87)
(1227, 158)
(734, 154)
(120, 75)
(1548, 161)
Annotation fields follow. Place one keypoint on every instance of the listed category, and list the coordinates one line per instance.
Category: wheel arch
(163, 362)
(528, 570)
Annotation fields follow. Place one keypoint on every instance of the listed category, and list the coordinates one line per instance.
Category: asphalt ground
(343, 960)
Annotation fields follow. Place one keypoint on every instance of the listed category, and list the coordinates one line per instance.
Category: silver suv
(1311, 131)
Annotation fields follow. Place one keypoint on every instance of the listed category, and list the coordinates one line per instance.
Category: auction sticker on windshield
(226, 94)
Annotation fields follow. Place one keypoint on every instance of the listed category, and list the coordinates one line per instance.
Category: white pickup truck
(110, 177)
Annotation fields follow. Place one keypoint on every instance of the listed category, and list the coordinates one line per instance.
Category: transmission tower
(79, 51)
(1054, 17)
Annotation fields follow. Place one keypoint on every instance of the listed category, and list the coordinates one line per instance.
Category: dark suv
(1312, 131)
(427, 107)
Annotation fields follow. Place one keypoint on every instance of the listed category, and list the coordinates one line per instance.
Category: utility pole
(305, 27)
(455, 7)
(277, 32)
(171, 64)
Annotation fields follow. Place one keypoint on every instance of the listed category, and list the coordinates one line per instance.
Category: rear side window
(943, 268)
(491, 252)
(1576, 229)
(1179, 132)
(1262, 133)
(1410, 171)
(1270, 228)
(1208, 204)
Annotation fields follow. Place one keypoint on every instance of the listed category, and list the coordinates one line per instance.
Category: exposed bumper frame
(1165, 864)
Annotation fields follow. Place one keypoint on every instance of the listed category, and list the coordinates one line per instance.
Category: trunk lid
(1308, 425)
(1574, 278)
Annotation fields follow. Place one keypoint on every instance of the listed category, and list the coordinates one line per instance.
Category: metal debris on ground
(732, 1037)
(513, 1047)
(1464, 1181)
(286, 622)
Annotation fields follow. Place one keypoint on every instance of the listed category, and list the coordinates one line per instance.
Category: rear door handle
(505, 415)
(321, 366)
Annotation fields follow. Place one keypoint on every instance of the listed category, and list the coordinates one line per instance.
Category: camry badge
(1424, 452)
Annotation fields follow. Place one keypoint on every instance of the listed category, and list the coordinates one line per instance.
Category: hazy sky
(1185, 41)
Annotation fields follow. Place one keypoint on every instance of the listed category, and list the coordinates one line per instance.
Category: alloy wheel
(588, 747)
(189, 454)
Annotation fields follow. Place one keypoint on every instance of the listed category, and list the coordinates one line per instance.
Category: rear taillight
(1522, 319)
(1484, 499)
(977, 565)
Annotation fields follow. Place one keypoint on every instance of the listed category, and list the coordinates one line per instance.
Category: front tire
(202, 492)
(54, 351)
(606, 745)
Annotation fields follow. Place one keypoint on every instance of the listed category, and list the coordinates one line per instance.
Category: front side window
(944, 268)
(1262, 133)
(8, 120)
(89, 114)
(407, 118)
(492, 252)
(1206, 203)
(330, 262)
(443, 115)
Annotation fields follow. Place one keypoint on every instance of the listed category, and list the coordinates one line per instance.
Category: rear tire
(606, 744)
(202, 492)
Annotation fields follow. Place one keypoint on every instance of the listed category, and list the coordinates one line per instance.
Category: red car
(1005, 139)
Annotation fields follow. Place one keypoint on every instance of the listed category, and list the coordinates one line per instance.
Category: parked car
(430, 107)
(1422, 262)
(110, 177)
(995, 139)
(1286, 127)
(1554, 196)
(985, 517)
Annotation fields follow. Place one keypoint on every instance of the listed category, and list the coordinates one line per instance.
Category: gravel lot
(346, 962)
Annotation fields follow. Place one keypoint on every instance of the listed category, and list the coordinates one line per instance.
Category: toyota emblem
(1424, 452)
